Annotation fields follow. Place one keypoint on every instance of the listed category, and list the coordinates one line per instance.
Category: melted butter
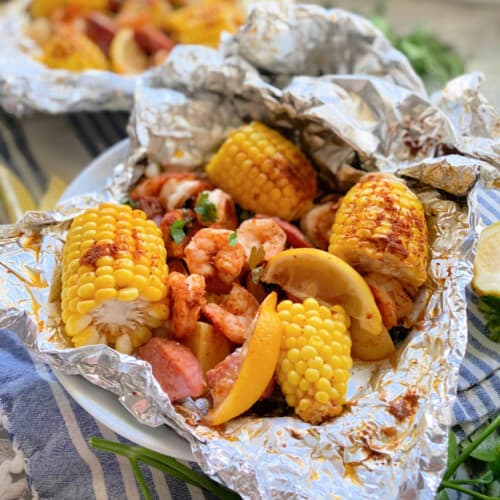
(32, 243)
(350, 473)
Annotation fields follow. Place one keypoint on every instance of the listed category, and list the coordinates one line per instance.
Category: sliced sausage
(100, 29)
(152, 39)
(175, 368)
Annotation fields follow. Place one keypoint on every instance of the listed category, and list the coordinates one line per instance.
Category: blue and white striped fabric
(51, 429)
(479, 383)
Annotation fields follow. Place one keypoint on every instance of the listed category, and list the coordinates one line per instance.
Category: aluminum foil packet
(329, 80)
(27, 85)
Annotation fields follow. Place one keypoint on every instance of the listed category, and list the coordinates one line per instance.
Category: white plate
(101, 404)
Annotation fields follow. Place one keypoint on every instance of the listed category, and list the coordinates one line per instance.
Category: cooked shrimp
(174, 249)
(211, 254)
(224, 216)
(178, 189)
(262, 232)
(317, 223)
(187, 296)
(391, 298)
(233, 313)
(149, 186)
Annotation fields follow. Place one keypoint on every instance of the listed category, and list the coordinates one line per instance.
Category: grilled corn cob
(264, 172)
(46, 7)
(68, 49)
(203, 22)
(114, 269)
(313, 368)
(380, 227)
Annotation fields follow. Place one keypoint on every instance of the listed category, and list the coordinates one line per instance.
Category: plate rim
(150, 437)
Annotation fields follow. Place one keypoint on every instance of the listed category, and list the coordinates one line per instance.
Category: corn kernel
(85, 306)
(153, 294)
(106, 260)
(105, 294)
(86, 291)
(105, 281)
(127, 294)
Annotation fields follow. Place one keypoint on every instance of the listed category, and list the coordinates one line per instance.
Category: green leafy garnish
(432, 59)
(481, 451)
(205, 208)
(177, 231)
(233, 239)
(490, 307)
(166, 464)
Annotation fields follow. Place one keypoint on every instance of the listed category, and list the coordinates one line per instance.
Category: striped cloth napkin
(50, 430)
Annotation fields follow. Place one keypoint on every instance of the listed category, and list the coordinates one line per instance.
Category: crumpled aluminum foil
(27, 85)
(391, 440)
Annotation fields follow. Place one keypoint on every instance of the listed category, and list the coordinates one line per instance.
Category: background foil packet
(391, 440)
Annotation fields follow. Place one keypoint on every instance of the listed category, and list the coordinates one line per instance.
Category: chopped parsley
(233, 239)
(490, 307)
(177, 231)
(205, 208)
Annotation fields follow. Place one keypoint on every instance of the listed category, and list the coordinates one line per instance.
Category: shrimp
(225, 211)
(262, 232)
(174, 249)
(187, 296)
(181, 188)
(391, 298)
(211, 254)
(233, 313)
(317, 223)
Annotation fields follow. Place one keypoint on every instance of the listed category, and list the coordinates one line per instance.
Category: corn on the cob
(73, 51)
(203, 22)
(264, 172)
(380, 227)
(315, 359)
(113, 278)
(46, 7)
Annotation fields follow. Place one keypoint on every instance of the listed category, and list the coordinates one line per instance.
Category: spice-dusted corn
(380, 227)
(315, 359)
(264, 172)
(113, 279)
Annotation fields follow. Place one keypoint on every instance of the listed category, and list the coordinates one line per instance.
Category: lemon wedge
(486, 280)
(127, 58)
(309, 272)
(262, 352)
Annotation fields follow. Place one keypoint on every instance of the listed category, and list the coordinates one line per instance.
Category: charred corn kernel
(380, 227)
(278, 179)
(102, 299)
(73, 51)
(313, 378)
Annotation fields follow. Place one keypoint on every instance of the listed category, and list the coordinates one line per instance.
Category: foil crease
(391, 440)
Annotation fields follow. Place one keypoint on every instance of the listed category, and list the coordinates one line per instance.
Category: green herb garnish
(233, 239)
(205, 208)
(490, 307)
(482, 455)
(166, 464)
(433, 60)
(177, 231)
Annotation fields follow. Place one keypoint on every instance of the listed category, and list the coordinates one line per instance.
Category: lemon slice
(262, 352)
(486, 280)
(309, 272)
(126, 56)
